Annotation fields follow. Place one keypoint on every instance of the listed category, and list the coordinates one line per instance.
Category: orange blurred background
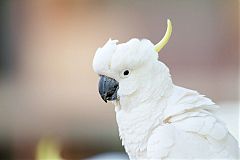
(48, 87)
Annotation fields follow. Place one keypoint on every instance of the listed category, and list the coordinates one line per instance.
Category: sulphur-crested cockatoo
(156, 118)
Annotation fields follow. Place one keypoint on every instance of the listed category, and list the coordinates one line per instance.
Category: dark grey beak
(108, 88)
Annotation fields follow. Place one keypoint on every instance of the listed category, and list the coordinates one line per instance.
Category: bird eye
(125, 73)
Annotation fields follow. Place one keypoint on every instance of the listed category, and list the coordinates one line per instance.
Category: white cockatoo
(156, 118)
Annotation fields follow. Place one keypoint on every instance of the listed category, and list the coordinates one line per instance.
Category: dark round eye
(126, 72)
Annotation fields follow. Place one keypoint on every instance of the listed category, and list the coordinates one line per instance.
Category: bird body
(156, 118)
(173, 126)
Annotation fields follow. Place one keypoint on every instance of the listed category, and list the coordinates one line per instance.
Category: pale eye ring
(125, 73)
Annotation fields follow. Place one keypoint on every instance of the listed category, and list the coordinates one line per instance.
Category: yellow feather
(166, 37)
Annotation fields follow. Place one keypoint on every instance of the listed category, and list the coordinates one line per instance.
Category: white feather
(157, 119)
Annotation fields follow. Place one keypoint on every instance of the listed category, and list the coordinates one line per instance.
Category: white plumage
(156, 118)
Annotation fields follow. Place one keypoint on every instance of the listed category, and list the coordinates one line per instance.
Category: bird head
(132, 69)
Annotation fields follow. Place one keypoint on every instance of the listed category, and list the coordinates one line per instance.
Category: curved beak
(108, 88)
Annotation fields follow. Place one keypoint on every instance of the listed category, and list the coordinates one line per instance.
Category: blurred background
(49, 102)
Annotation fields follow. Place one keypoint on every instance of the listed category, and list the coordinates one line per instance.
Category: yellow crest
(166, 37)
